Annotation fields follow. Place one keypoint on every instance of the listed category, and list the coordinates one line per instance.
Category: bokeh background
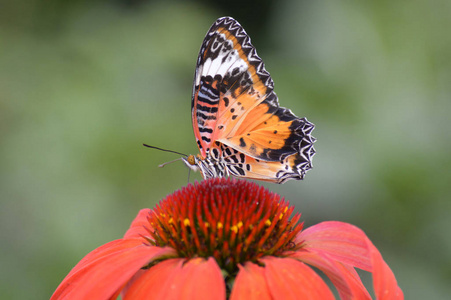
(84, 83)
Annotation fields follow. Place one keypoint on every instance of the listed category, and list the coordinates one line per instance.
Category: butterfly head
(191, 162)
(208, 166)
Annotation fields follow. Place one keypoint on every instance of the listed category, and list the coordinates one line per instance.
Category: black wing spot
(235, 71)
(248, 167)
(226, 101)
(234, 117)
(275, 131)
(241, 171)
(205, 117)
(232, 110)
(269, 142)
(242, 142)
(205, 129)
(243, 157)
(220, 126)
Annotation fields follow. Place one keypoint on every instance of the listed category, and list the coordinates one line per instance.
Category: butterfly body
(240, 128)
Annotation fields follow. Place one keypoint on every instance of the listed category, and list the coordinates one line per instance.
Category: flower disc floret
(232, 220)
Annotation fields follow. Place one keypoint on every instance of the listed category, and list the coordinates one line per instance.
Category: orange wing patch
(264, 143)
(234, 114)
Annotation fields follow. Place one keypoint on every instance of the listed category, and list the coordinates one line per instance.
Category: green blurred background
(84, 83)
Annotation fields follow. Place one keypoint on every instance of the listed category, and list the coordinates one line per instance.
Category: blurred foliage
(84, 83)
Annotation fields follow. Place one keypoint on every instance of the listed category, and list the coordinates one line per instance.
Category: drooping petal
(384, 281)
(105, 275)
(179, 279)
(288, 278)
(250, 284)
(345, 279)
(139, 225)
(349, 245)
(340, 241)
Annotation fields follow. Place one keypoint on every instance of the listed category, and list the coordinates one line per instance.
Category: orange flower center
(232, 220)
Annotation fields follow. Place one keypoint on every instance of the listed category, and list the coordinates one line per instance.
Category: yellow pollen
(171, 220)
(239, 225)
(285, 210)
(186, 222)
(219, 226)
(207, 224)
(234, 228)
(268, 223)
(281, 216)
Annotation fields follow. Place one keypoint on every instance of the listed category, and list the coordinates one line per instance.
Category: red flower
(229, 239)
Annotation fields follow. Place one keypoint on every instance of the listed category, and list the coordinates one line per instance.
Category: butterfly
(240, 128)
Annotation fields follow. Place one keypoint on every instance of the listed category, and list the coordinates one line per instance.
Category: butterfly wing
(223, 73)
(234, 107)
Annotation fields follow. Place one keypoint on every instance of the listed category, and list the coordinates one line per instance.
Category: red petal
(346, 280)
(288, 278)
(153, 282)
(250, 283)
(102, 277)
(139, 225)
(198, 279)
(340, 241)
(385, 285)
(104, 250)
(171, 279)
(349, 245)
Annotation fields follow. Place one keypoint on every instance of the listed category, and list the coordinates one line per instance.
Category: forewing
(230, 81)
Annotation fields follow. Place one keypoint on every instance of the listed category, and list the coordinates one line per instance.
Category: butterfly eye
(191, 160)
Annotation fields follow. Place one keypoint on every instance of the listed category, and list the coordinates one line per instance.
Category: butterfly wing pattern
(239, 126)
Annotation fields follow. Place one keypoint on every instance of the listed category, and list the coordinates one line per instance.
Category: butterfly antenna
(166, 150)
(169, 162)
